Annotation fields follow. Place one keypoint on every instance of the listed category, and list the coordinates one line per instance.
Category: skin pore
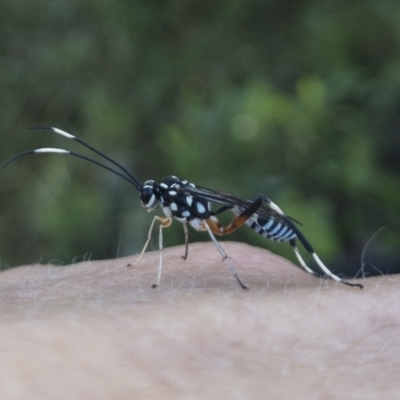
(97, 330)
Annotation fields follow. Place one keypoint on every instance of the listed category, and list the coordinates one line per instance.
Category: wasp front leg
(165, 223)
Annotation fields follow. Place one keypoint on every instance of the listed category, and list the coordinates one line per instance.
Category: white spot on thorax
(167, 212)
(200, 208)
(189, 200)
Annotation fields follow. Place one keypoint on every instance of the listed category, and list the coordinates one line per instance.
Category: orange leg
(240, 219)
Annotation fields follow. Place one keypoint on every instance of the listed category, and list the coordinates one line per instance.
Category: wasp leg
(333, 276)
(311, 250)
(247, 213)
(186, 232)
(224, 256)
(302, 262)
(165, 223)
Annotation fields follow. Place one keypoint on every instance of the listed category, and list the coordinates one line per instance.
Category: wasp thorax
(148, 194)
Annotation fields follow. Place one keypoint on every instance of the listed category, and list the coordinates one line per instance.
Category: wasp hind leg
(241, 219)
(321, 265)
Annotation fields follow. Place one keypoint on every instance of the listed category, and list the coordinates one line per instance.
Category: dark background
(298, 100)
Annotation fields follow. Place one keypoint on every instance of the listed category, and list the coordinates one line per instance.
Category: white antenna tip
(60, 132)
(51, 150)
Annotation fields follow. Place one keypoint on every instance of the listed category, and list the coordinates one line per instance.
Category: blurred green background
(298, 100)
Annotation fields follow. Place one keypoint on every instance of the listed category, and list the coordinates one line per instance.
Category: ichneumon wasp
(191, 204)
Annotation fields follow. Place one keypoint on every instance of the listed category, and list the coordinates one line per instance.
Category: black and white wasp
(192, 205)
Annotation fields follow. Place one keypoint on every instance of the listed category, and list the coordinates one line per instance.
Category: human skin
(97, 330)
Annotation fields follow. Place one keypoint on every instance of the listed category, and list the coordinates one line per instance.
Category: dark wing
(230, 201)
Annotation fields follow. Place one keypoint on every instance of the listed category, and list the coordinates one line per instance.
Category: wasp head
(149, 194)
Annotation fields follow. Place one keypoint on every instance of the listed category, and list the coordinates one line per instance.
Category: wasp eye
(147, 196)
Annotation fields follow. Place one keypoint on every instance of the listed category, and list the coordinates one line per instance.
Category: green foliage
(299, 100)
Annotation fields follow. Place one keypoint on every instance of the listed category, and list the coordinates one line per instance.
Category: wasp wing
(234, 203)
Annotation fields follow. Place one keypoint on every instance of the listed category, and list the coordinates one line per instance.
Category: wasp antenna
(83, 143)
(70, 153)
(50, 128)
(25, 153)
